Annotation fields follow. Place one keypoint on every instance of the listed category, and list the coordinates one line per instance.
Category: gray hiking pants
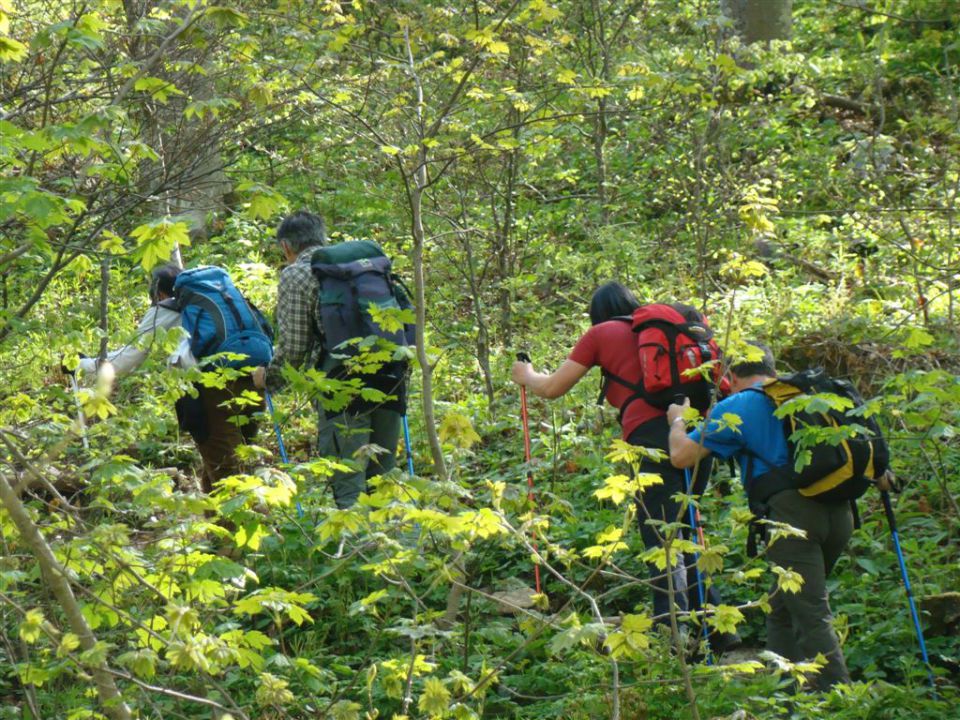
(800, 624)
(343, 434)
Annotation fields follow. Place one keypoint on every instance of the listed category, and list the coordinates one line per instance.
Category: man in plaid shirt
(299, 343)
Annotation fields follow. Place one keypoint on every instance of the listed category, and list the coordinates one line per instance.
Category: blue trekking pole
(280, 445)
(888, 508)
(406, 445)
(693, 515)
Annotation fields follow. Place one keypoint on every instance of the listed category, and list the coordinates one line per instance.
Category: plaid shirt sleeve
(298, 341)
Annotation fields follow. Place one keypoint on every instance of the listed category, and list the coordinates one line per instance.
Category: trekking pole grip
(522, 356)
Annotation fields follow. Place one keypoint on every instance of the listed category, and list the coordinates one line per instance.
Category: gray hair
(301, 230)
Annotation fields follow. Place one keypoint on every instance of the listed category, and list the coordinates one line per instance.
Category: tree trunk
(105, 306)
(190, 155)
(505, 257)
(600, 158)
(760, 20)
(483, 334)
(426, 369)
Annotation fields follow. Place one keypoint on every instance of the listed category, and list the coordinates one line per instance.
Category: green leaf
(142, 663)
(97, 655)
(12, 50)
(457, 429)
(159, 89)
(226, 17)
(391, 319)
(725, 618)
(32, 626)
(68, 643)
(263, 202)
(156, 241)
(788, 580)
(435, 700)
(632, 637)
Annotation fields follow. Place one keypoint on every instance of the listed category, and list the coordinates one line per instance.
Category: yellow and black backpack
(836, 448)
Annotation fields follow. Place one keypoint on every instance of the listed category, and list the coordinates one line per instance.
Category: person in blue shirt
(743, 426)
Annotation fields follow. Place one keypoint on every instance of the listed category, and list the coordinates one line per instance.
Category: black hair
(689, 312)
(162, 280)
(611, 300)
(765, 366)
(301, 230)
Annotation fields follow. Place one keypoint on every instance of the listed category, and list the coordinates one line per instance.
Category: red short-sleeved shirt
(613, 346)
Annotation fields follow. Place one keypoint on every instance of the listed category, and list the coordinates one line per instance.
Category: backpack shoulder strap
(187, 297)
(761, 390)
(607, 377)
(259, 318)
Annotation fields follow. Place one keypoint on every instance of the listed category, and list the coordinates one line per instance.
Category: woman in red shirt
(611, 344)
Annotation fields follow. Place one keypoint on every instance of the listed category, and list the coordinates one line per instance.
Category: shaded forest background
(510, 155)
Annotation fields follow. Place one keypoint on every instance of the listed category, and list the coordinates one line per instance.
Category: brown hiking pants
(229, 423)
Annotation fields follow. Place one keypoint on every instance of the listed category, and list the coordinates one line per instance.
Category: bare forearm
(543, 385)
(549, 385)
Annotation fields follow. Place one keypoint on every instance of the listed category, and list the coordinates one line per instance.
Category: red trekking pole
(523, 357)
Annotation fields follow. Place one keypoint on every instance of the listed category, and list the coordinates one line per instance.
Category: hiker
(308, 335)
(160, 316)
(611, 343)
(217, 418)
(799, 625)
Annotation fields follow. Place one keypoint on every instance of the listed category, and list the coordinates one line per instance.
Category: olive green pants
(800, 625)
(344, 434)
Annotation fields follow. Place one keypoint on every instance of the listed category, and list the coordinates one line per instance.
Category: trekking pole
(888, 509)
(406, 445)
(280, 445)
(693, 515)
(81, 418)
(523, 357)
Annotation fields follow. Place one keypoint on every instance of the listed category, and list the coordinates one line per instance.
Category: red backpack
(671, 339)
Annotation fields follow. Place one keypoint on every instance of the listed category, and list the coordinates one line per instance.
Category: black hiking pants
(657, 503)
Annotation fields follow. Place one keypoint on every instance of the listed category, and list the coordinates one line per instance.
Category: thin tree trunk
(104, 306)
(600, 158)
(415, 195)
(55, 579)
(426, 369)
(504, 233)
(483, 335)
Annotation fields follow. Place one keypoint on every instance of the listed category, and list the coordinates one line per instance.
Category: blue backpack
(219, 319)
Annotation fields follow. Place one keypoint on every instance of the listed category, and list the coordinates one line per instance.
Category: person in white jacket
(160, 316)
(210, 415)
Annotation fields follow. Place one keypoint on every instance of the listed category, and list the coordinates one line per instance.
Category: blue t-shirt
(759, 436)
